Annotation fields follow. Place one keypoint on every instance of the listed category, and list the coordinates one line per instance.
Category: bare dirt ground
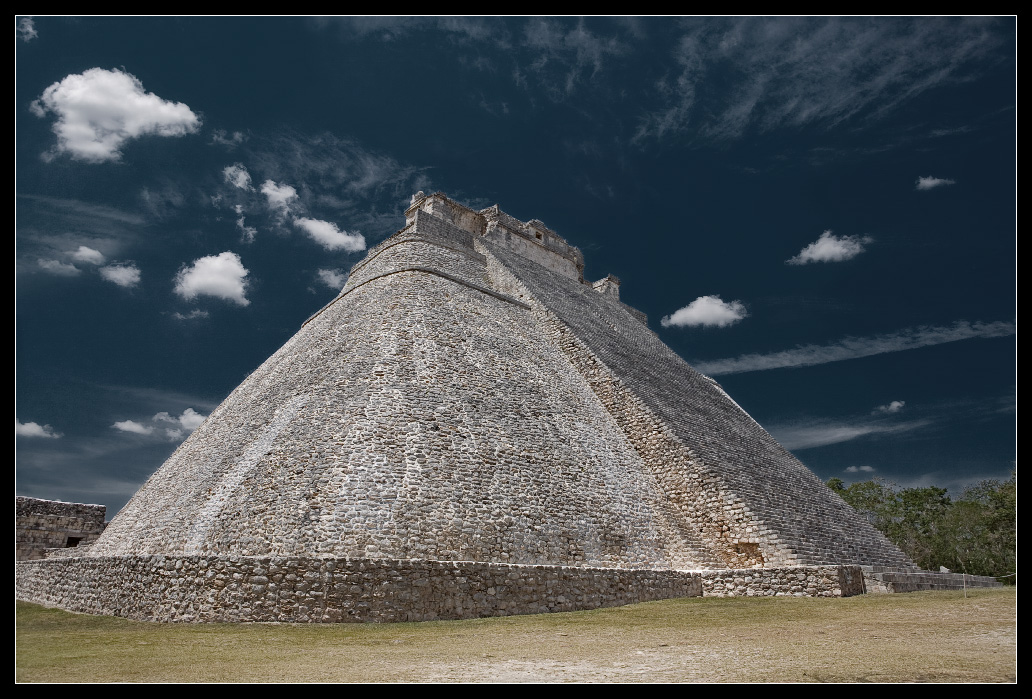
(917, 637)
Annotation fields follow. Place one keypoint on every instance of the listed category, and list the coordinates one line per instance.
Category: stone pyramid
(469, 428)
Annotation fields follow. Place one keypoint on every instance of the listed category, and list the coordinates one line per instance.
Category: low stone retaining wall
(879, 579)
(197, 588)
(803, 581)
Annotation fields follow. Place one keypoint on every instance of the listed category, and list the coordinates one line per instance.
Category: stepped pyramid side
(754, 501)
(422, 414)
(467, 397)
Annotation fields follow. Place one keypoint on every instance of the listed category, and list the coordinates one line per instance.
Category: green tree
(980, 534)
(976, 533)
(873, 499)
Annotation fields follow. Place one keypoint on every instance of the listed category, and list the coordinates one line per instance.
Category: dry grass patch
(917, 637)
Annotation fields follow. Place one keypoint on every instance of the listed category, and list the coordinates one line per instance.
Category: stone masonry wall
(330, 590)
(803, 581)
(284, 589)
(49, 524)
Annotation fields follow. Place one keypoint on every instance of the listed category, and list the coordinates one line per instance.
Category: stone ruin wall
(51, 524)
(802, 581)
(292, 589)
(329, 590)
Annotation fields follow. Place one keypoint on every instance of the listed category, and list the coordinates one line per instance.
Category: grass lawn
(916, 637)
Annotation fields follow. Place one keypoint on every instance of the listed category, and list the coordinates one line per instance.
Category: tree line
(975, 533)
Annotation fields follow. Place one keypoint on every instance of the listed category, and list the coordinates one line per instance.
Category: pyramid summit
(469, 428)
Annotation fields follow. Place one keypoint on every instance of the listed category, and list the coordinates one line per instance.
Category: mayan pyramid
(468, 428)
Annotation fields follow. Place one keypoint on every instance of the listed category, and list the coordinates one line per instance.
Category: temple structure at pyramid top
(468, 428)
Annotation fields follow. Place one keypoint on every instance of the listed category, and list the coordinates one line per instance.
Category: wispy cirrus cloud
(99, 110)
(72, 235)
(81, 214)
(566, 54)
(247, 233)
(228, 140)
(800, 436)
(163, 200)
(330, 179)
(195, 313)
(454, 29)
(348, 171)
(61, 269)
(741, 75)
(831, 248)
(926, 183)
(855, 347)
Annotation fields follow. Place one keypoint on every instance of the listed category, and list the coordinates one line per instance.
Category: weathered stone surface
(50, 524)
(468, 408)
(334, 590)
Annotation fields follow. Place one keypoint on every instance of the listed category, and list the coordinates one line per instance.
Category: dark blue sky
(820, 213)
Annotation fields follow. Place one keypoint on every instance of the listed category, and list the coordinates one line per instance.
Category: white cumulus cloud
(186, 423)
(33, 429)
(222, 276)
(99, 110)
(892, 407)
(26, 29)
(706, 311)
(333, 278)
(132, 426)
(125, 275)
(191, 419)
(281, 197)
(932, 182)
(329, 236)
(858, 469)
(238, 176)
(831, 248)
(88, 255)
(164, 425)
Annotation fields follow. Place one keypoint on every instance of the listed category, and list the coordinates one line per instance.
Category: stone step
(883, 579)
